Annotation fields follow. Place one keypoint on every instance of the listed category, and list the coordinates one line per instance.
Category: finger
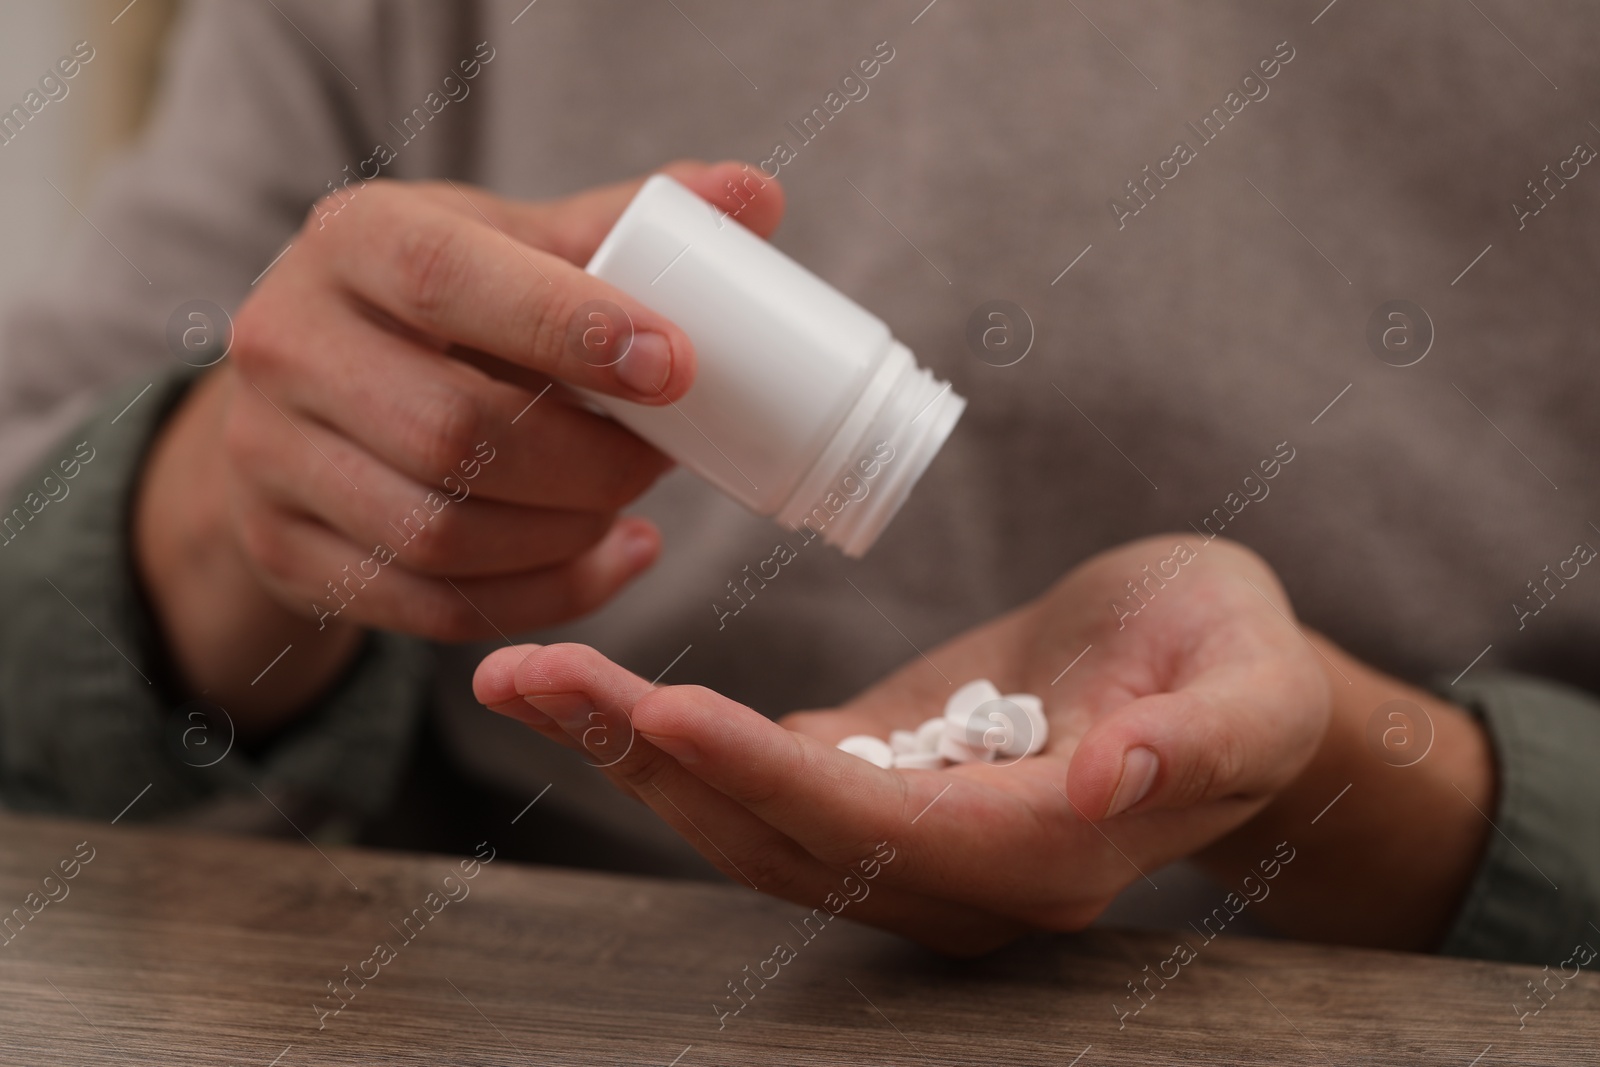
(963, 831)
(572, 684)
(573, 227)
(833, 803)
(315, 570)
(590, 698)
(464, 281)
(445, 531)
(1212, 697)
(449, 421)
(1223, 736)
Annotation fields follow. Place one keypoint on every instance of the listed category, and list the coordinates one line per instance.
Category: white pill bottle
(804, 407)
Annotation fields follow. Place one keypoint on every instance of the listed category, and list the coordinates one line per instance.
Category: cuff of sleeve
(86, 727)
(1538, 885)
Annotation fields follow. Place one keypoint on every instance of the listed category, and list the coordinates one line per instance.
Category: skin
(1240, 708)
(401, 339)
(1387, 866)
(393, 353)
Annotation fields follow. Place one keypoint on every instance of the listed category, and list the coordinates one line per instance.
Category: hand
(1392, 823)
(1179, 723)
(379, 461)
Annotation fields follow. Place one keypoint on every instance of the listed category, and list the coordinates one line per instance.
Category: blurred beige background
(72, 139)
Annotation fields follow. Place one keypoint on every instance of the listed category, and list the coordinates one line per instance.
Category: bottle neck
(867, 471)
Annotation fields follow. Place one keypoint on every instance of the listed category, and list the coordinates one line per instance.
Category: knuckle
(646, 770)
(437, 542)
(430, 262)
(546, 318)
(560, 668)
(1208, 776)
(258, 341)
(761, 795)
(1225, 768)
(1190, 784)
(448, 429)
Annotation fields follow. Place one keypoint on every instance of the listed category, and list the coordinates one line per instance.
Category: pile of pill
(979, 724)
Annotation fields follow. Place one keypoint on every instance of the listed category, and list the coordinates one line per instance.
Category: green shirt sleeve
(88, 719)
(1537, 892)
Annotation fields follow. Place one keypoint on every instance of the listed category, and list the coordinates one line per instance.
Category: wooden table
(175, 948)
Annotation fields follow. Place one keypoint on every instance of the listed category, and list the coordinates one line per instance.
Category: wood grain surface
(176, 948)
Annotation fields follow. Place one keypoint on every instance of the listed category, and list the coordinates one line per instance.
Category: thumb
(1180, 750)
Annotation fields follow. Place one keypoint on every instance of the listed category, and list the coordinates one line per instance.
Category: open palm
(1177, 707)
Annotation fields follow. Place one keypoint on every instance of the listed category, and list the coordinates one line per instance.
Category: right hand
(391, 349)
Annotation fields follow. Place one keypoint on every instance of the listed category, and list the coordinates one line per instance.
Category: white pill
(1038, 731)
(996, 726)
(902, 742)
(956, 752)
(961, 712)
(928, 735)
(872, 749)
(968, 699)
(918, 761)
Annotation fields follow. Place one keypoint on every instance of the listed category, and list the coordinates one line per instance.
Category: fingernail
(679, 749)
(1139, 768)
(647, 366)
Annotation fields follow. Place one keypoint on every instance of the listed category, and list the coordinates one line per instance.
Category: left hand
(1178, 724)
